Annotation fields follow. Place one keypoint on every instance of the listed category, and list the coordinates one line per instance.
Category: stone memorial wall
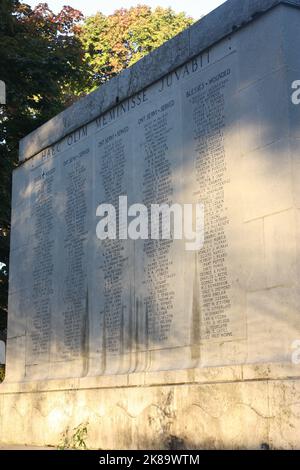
(131, 324)
(119, 306)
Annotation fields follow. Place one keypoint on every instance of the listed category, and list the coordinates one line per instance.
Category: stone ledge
(258, 414)
(205, 376)
(218, 24)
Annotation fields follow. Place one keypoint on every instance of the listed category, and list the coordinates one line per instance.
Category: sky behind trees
(89, 7)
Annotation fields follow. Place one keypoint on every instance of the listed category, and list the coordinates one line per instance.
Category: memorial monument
(164, 346)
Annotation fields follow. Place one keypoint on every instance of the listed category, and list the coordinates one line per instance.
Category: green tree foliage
(117, 41)
(41, 62)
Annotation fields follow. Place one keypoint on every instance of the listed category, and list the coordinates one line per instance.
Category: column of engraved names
(112, 173)
(42, 213)
(158, 189)
(75, 238)
(208, 111)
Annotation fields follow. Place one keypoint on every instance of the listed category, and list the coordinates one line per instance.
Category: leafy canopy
(114, 42)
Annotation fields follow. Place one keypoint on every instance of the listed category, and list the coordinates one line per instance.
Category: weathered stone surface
(162, 150)
(223, 414)
(148, 341)
(68, 322)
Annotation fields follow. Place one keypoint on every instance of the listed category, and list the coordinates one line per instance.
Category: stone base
(240, 407)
